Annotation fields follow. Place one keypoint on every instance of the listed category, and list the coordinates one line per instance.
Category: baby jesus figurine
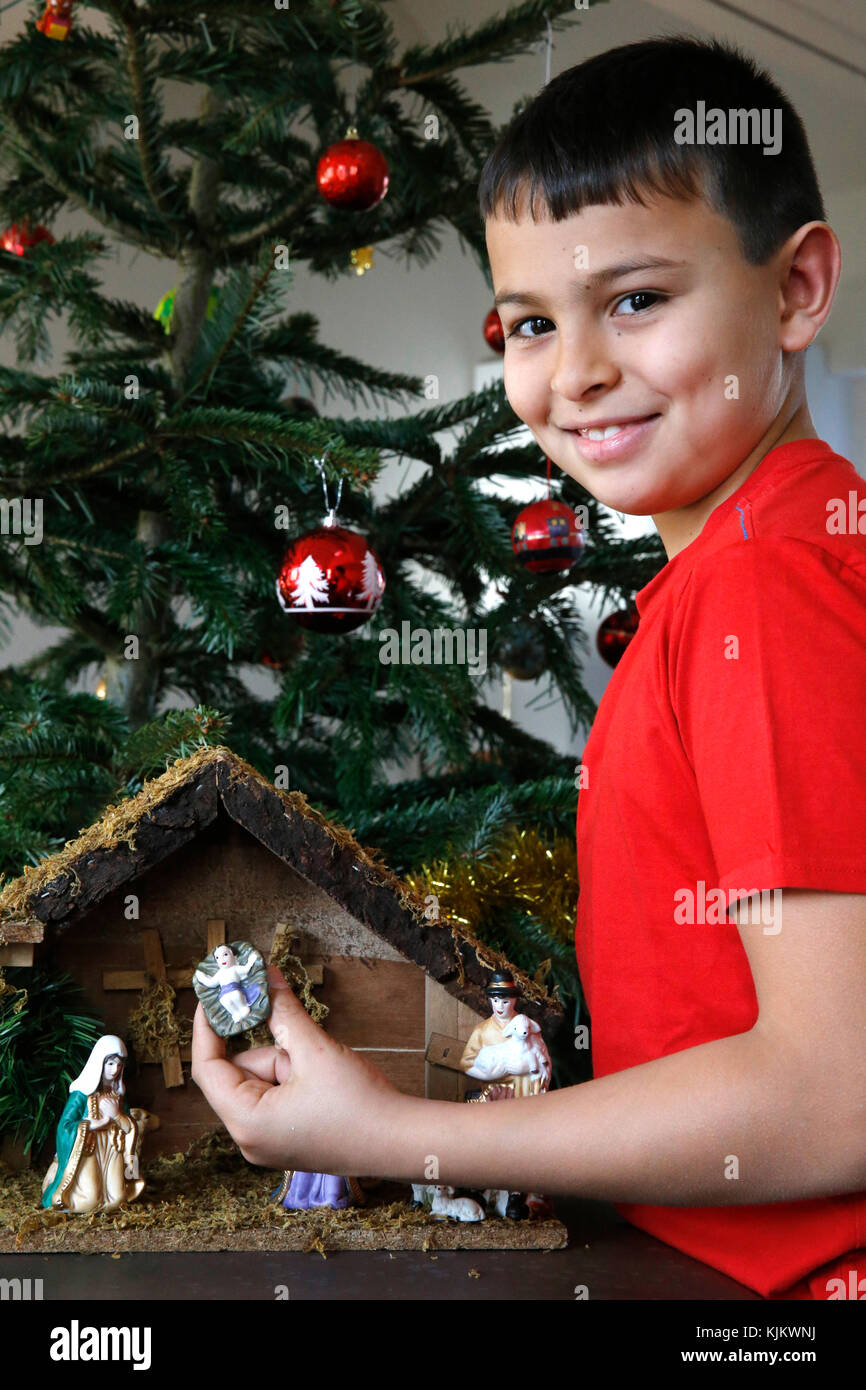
(227, 990)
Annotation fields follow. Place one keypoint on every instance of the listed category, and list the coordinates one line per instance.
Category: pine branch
(258, 428)
(143, 446)
(136, 58)
(238, 320)
(288, 215)
(293, 341)
(84, 198)
(495, 41)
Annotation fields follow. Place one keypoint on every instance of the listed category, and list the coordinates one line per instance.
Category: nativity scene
(187, 891)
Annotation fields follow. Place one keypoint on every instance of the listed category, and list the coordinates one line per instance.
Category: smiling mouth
(600, 432)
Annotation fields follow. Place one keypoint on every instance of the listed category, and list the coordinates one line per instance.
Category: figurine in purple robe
(300, 1191)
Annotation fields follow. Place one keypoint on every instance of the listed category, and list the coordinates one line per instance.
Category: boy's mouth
(611, 438)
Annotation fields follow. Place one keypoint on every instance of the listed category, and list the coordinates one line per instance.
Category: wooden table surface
(612, 1259)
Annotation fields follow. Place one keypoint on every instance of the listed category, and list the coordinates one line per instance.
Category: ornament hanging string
(330, 512)
(548, 51)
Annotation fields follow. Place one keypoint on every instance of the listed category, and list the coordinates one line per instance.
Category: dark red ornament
(547, 536)
(353, 174)
(494, 333)
(19, 239)
(616, 632)
(523, 653)
(330, 579)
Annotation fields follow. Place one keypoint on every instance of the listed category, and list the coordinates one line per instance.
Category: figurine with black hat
(508, 1052)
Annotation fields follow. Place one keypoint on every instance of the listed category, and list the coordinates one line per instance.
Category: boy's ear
(810, 266)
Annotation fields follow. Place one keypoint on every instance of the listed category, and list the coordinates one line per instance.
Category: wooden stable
(211, 851)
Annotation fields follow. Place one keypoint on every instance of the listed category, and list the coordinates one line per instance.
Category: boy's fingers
(218, 1079)
(267, 1063)
(206, 1044)
(290, 1024)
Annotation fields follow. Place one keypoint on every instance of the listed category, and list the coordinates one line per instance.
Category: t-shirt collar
(764, 475)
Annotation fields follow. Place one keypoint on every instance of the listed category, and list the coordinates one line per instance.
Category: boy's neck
(679, 528)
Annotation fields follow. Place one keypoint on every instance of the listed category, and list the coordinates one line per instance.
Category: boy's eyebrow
(594, 281)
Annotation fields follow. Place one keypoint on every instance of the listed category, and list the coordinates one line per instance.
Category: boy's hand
(309, 1103)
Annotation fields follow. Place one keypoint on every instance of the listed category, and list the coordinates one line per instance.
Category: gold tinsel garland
(522, 870)
(6, 988)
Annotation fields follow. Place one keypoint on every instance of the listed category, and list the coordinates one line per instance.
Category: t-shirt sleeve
(768, 684)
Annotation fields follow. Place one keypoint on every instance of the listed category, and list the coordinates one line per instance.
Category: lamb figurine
(439, 1200)
(523, 1053)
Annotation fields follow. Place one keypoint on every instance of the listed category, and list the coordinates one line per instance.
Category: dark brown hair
(603, 132)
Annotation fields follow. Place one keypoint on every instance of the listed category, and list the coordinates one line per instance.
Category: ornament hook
(330, 512)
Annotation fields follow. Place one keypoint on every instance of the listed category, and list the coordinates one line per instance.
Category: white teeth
(607, 433)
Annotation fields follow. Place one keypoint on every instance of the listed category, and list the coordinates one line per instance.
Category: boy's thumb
(289, 1021)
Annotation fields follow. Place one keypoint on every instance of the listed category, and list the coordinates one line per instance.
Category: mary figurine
(96, 1165)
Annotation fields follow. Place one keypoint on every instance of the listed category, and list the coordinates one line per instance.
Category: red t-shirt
(728, 773)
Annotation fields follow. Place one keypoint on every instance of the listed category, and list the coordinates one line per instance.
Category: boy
(671, 289)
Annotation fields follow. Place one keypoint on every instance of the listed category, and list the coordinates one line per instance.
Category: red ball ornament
(353, 174)
(330, 579)
(615, 633)
(494, 333)
(19, 239)
(547, 536)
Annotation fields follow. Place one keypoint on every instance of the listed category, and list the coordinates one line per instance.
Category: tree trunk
(134, 679)
(135, 682)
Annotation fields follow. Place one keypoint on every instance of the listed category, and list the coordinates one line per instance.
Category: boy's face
(584, 353)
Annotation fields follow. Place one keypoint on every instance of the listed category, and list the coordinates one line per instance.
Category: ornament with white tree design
(330, 579)
(374, 581)
(311, 586)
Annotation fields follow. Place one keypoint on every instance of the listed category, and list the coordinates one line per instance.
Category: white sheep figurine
(439, 1200)
(521, 1053)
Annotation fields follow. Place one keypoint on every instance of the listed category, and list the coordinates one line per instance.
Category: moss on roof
(118, 825)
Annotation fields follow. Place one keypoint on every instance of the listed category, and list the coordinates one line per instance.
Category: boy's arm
(774, 1114)
(781, 1106)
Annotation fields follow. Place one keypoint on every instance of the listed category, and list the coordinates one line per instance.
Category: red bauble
(353, 174)
(330, 580)
(615, 633)
(494, 333)
(19, 239)
(547, 536)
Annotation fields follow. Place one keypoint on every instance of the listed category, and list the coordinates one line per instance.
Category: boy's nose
(583, 364)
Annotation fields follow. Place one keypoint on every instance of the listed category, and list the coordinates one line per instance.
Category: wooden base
(496, 1234)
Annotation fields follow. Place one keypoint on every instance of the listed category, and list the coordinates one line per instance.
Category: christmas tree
(174, 468)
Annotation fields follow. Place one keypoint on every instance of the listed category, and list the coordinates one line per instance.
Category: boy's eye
(640, 295)
(640, 301)
(515, 331)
